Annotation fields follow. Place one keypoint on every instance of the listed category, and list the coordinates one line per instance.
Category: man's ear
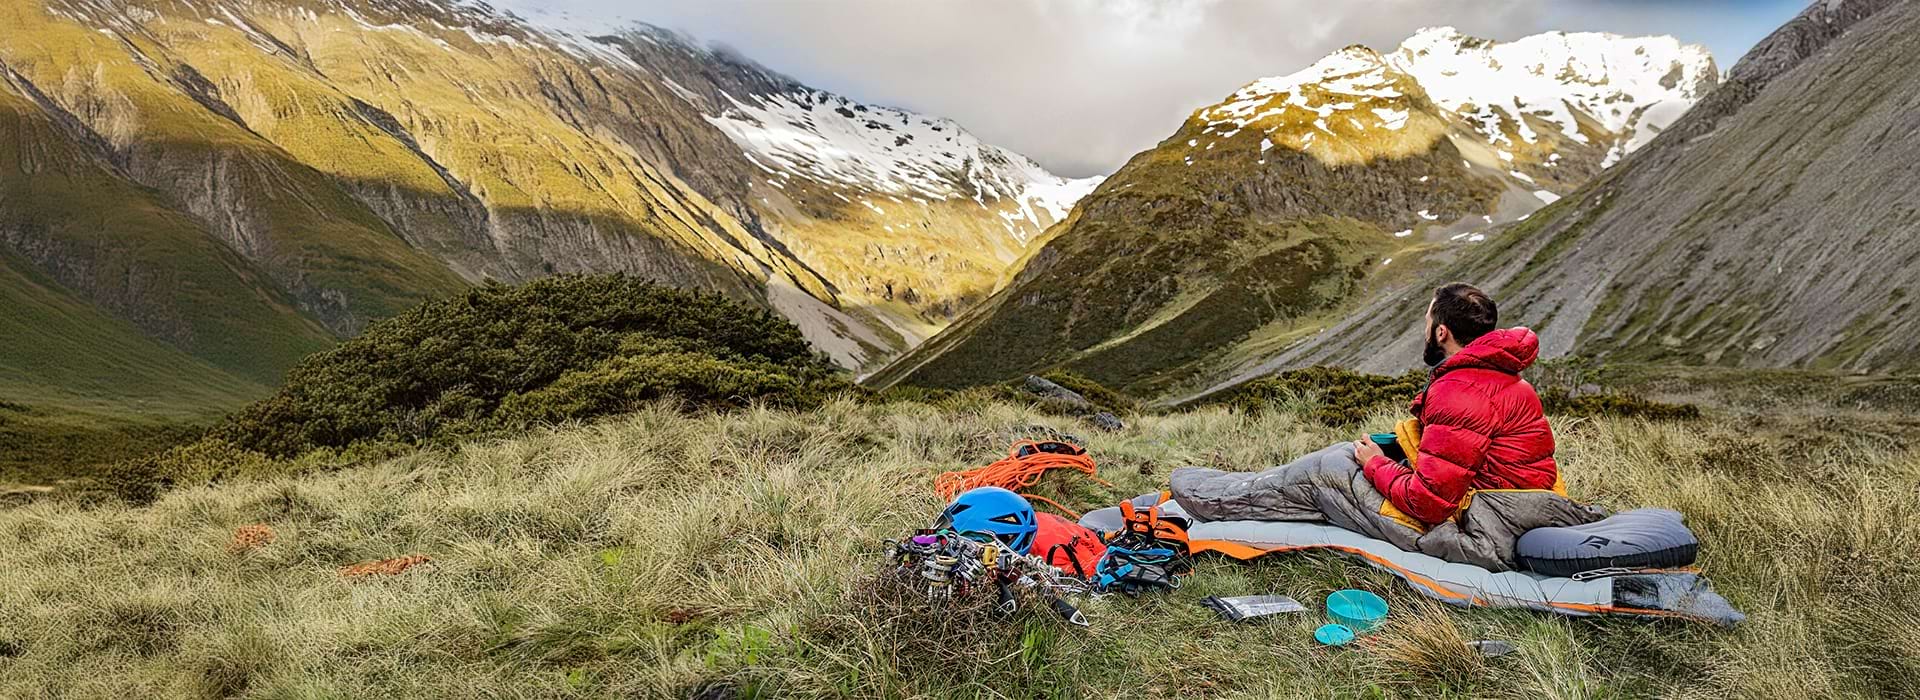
(1442, 334)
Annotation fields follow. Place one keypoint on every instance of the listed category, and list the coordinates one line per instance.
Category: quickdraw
(953, 564)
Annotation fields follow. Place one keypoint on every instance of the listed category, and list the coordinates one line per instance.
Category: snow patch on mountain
(1610, 92)
(835, 140)
(1634, 86)
(1339, 83)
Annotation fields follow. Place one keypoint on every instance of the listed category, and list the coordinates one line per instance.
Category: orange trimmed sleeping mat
(1650, 594)
(1322, 502)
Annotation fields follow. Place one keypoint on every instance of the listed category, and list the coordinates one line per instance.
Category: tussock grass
(661, 554)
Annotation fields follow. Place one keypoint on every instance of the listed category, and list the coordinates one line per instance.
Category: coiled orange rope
(1017, 472)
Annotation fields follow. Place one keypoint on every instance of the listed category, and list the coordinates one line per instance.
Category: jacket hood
(1511, 350)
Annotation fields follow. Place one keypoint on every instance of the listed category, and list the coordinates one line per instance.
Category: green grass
(661, 553)
(80, 389)
(62, 353)
(79, 233)
(44, 446)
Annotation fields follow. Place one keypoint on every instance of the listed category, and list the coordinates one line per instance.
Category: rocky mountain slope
(1302, 193)
(247, 181)
(1772, 226)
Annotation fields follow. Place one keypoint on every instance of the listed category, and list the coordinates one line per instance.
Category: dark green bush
(1340, 397)
(1560, 403)
(564, 348)
(1102, 397)
(698, 378)
(1015, 391)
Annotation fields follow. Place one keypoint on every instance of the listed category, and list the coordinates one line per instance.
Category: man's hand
(1365, 451)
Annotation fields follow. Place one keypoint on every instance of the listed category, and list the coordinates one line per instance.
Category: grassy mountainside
(668, 555)
(1270, 214)
(80, 389)
(63, 352)
(1769, 227)
(74, 229)
(127, 100)
(247, 182)
(1211, 236)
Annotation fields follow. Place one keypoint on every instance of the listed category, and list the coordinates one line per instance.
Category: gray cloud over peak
(1081, 85)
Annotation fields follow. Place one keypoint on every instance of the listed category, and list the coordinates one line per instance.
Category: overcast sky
(1081, 85)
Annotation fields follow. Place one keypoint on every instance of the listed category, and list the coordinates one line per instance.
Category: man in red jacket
(1481, 425)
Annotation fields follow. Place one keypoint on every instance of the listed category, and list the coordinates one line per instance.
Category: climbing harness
(1148, 553)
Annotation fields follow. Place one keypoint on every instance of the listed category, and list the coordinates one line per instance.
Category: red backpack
(1067, 546)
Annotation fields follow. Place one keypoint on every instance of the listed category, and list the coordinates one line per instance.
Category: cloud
(1079, 85)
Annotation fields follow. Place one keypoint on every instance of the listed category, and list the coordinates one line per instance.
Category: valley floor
(666, 555)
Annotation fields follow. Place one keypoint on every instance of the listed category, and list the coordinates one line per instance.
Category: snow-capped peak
(1629, 85)
(1354, 79)
(1605, 91)
(1355, 70)
(831, 139)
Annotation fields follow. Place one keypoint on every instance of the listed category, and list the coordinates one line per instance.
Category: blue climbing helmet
(993, 511)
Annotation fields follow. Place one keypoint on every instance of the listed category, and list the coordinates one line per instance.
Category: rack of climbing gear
(954, 565)
(1025, 463)
(1148, 553)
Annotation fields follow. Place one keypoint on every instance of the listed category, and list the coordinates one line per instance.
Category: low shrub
(46, 444)
(502, 358)
(1103, 397)
(1337, 397)
(563, 348)
(1560, 403)
(902, 393)
(1099, 397)
(1340, 398)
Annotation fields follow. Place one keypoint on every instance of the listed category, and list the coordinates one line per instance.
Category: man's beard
(1434, 354)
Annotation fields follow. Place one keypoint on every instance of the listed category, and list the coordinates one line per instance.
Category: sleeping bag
(1324, 501)
(1645, 594)
(1329, 487)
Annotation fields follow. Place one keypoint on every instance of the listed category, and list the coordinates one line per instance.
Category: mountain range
(197, 193)
(194, 194)
(1771, 226)
(1273, 212)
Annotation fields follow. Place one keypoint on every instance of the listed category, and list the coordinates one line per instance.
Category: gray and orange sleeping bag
(1619, 565)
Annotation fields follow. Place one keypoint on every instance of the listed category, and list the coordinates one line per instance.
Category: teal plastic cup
(1389, 445)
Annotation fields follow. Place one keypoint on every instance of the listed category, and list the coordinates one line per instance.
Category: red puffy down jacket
(1481, 428)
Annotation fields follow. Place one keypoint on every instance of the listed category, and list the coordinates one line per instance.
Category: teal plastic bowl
(1333, 635)
(1357, 609)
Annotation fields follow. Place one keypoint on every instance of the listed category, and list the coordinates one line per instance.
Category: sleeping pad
(1324, 501)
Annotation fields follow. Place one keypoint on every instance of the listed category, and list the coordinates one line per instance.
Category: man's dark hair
(1465, 310)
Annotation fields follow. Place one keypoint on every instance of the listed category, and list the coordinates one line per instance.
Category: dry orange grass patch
(247, 538)
(386, 567)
